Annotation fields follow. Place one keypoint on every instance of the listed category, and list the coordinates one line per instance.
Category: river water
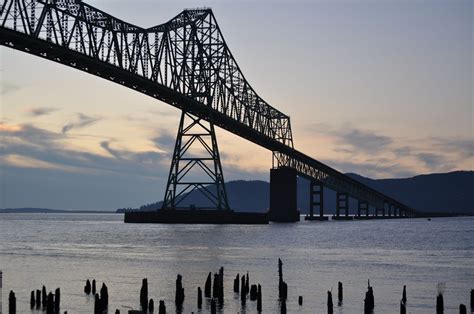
(63, 250)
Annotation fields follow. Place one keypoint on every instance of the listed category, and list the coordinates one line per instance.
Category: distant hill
(29, 210)
(445, 192)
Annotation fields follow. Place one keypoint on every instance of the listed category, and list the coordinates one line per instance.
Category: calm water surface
(63, 250)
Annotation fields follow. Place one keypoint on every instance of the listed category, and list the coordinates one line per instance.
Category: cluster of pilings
(214, 292)
(42, 300)
(101, 300)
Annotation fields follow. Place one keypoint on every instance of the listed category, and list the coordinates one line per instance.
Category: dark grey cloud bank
(83, 180)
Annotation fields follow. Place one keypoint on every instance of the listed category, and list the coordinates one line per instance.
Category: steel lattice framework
(184, 62)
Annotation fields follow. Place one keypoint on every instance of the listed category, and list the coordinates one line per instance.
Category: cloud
(82, 121)
(434, 162)
(6, 88)
(40, 111)
(164, 141)
(464, 147)
(106, 146)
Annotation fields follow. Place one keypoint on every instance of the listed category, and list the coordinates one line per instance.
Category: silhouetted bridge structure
(186, 63)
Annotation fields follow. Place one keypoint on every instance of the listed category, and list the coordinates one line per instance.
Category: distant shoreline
(53, 211)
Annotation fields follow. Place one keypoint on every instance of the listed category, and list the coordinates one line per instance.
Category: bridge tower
(195, 156)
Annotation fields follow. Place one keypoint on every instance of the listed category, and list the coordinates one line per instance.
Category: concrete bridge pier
(363, 210)
(342, 204)
(283, 187)
(316, 201)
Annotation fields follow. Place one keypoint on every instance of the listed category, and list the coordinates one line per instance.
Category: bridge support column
(283, 188)
(316, 201)
(363, 208)
(390, 209)
(195, 133)
(342, 204)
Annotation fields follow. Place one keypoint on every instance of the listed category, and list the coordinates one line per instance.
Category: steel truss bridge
(187, 64)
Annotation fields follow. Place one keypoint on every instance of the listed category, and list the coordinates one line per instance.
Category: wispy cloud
(40, 111)
(81, 122)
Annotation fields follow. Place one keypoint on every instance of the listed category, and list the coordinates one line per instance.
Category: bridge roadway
(174, 62)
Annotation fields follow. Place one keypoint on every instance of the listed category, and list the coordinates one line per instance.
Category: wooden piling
(162, 307)
(207, 286)
(472, 300)
(330, 304)
(44, 297)
(215, 286)
(259, 298)
(151, 306)
(50, 304)
(283, 306)
(32, 300)
(104, 297)
(87, 287)
(221, 286)
(57, 300)
(199, 298)
(144, 294)
(93, 287)
(213, 306)
(339, 292)
(282, 286)
(247, 284)
(97, 309)
(236, 283)
(404, 295)
(439, 304)
(462, 309)
(403, 307)
(11, 303)
(300, 300)
(117, 311)
(38, 298)
(253, 293)
(179, 298)
(243, 294)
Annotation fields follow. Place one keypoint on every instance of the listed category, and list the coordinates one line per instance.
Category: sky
(378, 88)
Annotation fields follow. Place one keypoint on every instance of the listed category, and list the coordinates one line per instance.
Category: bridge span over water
(187, 64)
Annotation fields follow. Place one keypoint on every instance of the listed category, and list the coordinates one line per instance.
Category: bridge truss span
(184, 62)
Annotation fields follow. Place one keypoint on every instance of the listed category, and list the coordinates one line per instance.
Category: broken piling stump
(215, 286)
(300, 300)
(57, 300)
(329, 303)
(243, 293)
(104, 297)
(462, 309)
(247, 284)
(97, 308)
(259, 298)
(38, 298)
(151, 306)
(253, 293)
(213, 306)
(404, 294)
(11, 303)
(44, 297)
(199, 298)
(50, 304)
(87, 287)
(403, 307)
(179, 298)
(32, 300)
(439, 304)
(283, 306)
(94, 290)
(162, 307)
(207, 286)
(236, 283)
(144, 294)
(339, 293)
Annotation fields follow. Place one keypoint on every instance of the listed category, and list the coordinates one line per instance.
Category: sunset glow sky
(379, 88)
